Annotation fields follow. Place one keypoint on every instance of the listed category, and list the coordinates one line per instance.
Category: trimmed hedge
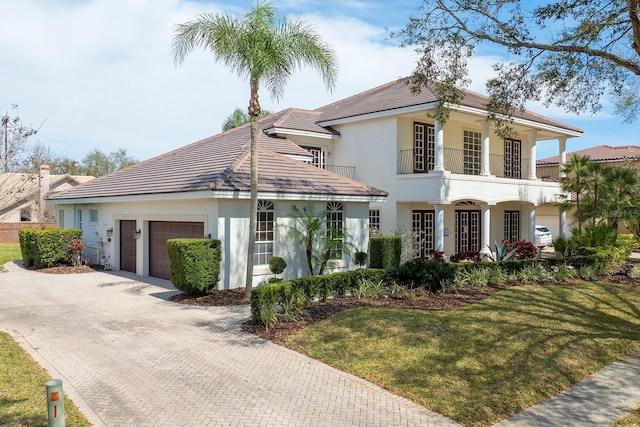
(195, 264)
(305, 289)
(47, 247)
(385, 252)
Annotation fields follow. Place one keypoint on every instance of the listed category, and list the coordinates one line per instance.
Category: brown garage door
(159, 233)
(128, 246)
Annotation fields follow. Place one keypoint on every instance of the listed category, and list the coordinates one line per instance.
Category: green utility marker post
(55, 403)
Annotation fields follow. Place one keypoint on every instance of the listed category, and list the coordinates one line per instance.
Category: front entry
(422, 228)
(467, 231)
(128, 245)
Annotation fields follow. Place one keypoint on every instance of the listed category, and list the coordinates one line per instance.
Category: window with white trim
(335, 229)
(512, 158)
(318, 156)
(472, 152)
(374, 219)
(423, 147)
(511, 226)
(93, 215)
(264, 233)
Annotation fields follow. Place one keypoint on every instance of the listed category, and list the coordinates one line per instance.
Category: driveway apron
(130, 357)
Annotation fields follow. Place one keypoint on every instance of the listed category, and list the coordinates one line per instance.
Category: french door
(467, 231)
(422, 227)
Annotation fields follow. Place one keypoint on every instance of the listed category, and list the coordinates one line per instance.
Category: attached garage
(159, 233)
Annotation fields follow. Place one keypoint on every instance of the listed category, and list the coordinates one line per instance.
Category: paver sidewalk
(129, 357)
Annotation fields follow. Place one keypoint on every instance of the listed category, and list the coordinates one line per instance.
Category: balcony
(459, 162)
(345, 171)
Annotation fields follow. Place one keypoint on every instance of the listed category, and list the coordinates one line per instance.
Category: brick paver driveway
(129, 357)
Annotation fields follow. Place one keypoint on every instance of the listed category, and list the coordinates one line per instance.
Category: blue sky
(99, 73)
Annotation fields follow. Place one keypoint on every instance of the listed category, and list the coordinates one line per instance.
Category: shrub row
(195, 264)
(305, 289)
(47, 247)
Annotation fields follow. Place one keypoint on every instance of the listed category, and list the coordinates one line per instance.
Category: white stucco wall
(226, 220)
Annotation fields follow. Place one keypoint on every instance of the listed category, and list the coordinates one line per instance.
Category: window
(423, 147)
(25, 214)
(512, 226)
(79, 218)
(422, 227)
(512, 158)
(61, 218)
(335, 229)
(264, 233)
(93, 215)
(472, 152)
(318, 156)
(374, 219)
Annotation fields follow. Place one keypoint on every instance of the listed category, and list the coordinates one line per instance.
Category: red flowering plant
(76, 246)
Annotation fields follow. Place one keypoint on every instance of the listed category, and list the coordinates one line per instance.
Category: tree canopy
(240, 117)
(571, 53)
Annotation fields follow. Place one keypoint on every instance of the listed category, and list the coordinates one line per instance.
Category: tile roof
(297, 119)
(221, 163)
(599, 153)
(18, 187)
(397, 94)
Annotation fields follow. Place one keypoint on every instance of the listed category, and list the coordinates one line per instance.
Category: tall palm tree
(261, 50)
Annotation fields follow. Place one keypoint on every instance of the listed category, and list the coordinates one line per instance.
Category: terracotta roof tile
(599, 153)
(221, 162)
(397, 94)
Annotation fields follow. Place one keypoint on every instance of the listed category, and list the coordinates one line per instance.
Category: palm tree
(261, 50)
(575, 183)
(240, 117)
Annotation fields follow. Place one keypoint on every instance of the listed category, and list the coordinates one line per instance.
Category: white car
(543, 236)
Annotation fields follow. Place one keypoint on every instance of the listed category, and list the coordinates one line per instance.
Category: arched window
(264, 233)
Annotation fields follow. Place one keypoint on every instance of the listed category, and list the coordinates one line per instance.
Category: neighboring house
(203, 189)
(549, 170)
(454, 188)
(22, 194)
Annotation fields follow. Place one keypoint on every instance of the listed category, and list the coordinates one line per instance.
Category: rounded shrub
(277, 264)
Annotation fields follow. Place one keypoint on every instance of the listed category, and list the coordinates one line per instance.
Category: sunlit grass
(487, 361)
(632, 420)
(9, 252)
(23, 398)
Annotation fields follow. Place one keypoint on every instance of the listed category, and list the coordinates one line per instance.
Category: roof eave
(296, 132)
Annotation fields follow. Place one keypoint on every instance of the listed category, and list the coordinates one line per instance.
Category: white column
(486, 168)
(439, 227)
(532, 156)
(486, 230)
(439, 147)
(562, 151)
(532, 224)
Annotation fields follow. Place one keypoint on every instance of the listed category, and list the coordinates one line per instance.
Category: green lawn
(487, 361)
(633, 420)
(9, 252)
(23, 400)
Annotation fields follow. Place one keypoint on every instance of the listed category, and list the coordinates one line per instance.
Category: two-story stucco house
(455, 188)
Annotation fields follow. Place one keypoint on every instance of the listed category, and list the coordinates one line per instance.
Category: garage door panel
(159, 233)
(127, 246)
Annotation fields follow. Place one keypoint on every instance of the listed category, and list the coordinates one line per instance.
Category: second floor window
(472, 152)
(423, 147)
(318, 156)
(335, 229)
(264, 233)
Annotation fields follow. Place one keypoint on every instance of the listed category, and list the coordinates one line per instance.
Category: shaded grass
(9, 252)
(488, 361)
(23, 397)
